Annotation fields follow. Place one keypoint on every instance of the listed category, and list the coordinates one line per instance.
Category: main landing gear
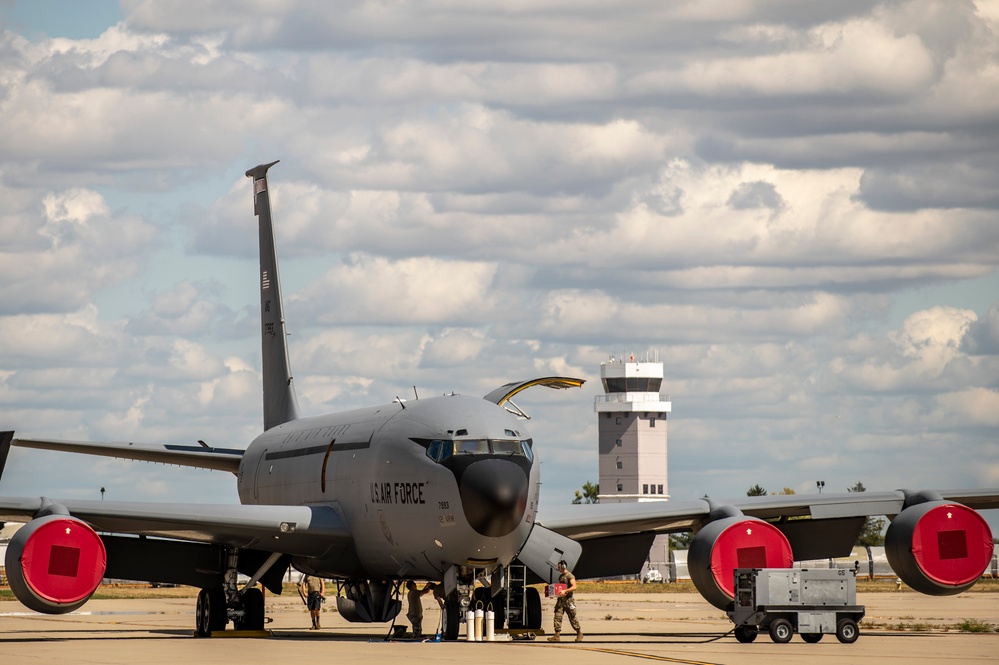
(218, 606)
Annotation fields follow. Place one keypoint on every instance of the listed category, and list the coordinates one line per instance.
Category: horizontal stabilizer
(220, 459)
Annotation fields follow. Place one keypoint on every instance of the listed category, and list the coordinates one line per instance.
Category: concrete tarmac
(671, 628)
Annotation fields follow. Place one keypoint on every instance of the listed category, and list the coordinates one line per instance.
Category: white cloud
(54, 259)
(974, 407)
(794, 203)
(419, 290)
(836, 59)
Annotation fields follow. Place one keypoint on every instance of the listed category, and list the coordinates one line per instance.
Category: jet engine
(55, 563)
(937, 547)
(733, 540)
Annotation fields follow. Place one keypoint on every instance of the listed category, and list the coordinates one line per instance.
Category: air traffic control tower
(632, 430)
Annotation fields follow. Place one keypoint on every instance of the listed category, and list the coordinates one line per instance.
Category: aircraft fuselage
(464, 466)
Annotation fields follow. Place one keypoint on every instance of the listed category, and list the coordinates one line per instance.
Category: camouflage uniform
(415, 613)
(566, 604)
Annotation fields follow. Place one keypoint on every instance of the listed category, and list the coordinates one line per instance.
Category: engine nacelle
(939, 548)
(733, 542)
(55, 563)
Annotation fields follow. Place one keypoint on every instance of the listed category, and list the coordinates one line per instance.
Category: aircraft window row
(440, 450)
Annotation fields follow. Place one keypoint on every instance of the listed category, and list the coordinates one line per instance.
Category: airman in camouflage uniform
(566, 604)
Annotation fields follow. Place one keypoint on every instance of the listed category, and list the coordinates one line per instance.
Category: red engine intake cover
(734, 542)
(939, 548)
(55, 563)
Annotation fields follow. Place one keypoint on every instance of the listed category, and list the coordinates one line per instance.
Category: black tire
(499, 610)
(253, 608)
(498, 604)
(533, 602)
(847, 631)
(202, 615)
(451, 623)
(781, 631)
(217, 609)
(811, 638)
(746, 634)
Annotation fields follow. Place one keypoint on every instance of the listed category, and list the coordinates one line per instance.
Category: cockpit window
(525, 446)
(434, 450)
(506, 447)
(442, 449)
(472, 447)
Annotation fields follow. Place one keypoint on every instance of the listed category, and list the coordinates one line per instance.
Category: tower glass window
(632, 384)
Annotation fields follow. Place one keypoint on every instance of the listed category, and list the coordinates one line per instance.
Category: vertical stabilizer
(280, 403)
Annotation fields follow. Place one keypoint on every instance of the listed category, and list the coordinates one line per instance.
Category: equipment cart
(785, 601)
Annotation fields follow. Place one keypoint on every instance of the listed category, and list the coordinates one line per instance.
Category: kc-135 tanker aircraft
(444, 489)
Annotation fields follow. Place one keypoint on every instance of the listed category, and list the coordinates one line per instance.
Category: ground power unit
(785, 601)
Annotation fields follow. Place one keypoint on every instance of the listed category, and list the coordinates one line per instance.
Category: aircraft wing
(297, 530)
(585, 521)
(202, 456)
(616, 537)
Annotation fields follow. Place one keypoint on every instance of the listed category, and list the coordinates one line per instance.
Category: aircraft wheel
(217, 615)
(253, 608)
(483, 595)
(450, 619)
(202, 615)
(781, 631)
(499, 609)
(746, 634)
(811, 638)
(533, 602)
(847, 631)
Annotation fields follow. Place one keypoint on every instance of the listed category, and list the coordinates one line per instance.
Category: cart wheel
(811, 638)
(746, 634)
(847, 631)
(781, 631)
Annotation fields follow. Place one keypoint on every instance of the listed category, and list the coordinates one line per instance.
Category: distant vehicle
(651, 576)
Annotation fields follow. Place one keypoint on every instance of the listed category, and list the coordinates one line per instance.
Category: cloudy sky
(794, 204)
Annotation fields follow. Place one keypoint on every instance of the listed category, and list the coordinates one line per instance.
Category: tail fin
(280, 403)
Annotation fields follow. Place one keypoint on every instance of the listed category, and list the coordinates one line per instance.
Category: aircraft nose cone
(494, 496)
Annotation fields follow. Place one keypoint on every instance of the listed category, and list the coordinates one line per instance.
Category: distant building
(632, 416)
